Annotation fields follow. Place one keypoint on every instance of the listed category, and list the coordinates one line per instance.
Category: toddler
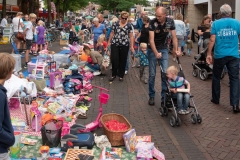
(189, 45)
(136, 45)
(144, 69)
(100, 45)
(40, 33)
(175, 82)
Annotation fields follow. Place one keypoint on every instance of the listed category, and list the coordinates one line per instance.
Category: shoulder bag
(19, 35)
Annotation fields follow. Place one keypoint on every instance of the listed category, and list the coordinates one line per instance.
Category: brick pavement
(216, 138)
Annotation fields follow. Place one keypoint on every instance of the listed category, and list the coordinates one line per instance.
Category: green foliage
(119, 5)
(69, 5)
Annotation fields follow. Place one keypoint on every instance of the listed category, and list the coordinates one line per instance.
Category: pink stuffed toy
(65, 129)
(88, 75)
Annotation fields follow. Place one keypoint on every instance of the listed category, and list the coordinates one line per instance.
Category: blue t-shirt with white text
(227, 31)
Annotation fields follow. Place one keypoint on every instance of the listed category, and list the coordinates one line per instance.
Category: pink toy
(88, 87)
(103, 99)
(65, 129)
(35, 119)
(55, 79)
(88, 75)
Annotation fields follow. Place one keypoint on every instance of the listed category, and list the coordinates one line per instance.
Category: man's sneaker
(126, 72)
(96, 73)
(186, 111)
(181, 112)
(146, 81)
(151, 101)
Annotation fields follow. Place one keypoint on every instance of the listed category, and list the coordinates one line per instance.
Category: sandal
(112, 78)
(81, 116)
(121, 79)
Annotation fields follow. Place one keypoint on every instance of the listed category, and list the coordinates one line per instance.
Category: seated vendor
(94, 61)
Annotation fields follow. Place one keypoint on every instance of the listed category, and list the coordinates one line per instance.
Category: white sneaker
(96, 73)
(126, 72)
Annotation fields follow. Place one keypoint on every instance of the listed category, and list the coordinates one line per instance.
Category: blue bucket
(34, 59)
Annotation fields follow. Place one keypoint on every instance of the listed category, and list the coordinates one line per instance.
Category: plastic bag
(51, 133)
(101, 141)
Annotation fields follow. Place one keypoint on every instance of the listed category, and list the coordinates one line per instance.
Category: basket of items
(114, 127)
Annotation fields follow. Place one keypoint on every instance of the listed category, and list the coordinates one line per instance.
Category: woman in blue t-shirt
(97, 30)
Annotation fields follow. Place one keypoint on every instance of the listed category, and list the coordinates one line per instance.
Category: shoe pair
(183, 112)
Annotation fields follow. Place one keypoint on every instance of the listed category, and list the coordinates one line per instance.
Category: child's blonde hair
(40, 22)
(32, 15)
(101, 38)
(7, 64)
(143, 45)
(173, 70)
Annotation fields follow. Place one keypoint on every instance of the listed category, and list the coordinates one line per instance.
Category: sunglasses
(124, 18)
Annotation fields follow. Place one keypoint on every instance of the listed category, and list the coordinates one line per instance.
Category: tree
(49, 12)
(119, 5)
(62, 6)
(4, 5)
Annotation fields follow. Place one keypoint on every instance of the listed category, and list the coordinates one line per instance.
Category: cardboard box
(63, 42)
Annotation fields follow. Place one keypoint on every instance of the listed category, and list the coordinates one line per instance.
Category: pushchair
(170, 101)
(200, 66)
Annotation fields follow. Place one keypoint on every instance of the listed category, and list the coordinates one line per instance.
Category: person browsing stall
(7, 139)
(28, 32)
(159, 29)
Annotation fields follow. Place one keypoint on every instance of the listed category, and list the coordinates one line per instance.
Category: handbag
(20, 35)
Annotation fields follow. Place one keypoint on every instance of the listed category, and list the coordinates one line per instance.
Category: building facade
(196, 9)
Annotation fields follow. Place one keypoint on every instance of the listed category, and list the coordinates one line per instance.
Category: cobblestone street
(217, 137)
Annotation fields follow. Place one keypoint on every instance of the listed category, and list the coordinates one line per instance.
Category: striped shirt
(180, 82)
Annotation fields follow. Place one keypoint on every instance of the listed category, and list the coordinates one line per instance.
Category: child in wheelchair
(177, 85)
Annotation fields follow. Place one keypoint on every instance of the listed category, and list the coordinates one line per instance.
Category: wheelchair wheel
(165, 109)
(193, 118)
(161, 111)
(203, 74)
(172, 121)
(195, 72)
(199, 119)
(178, 121)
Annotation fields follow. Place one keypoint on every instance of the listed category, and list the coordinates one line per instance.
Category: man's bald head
(161, 10)
(161, 14)
(100, 17)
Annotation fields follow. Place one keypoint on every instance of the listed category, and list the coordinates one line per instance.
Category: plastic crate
(7, 31)
(31, 67)
(61, 58)
(18, 65)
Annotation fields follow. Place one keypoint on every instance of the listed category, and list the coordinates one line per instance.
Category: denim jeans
(94, 67)
(180, 98)
(233, 73)
(152, 71)
(189, 51)
(128, 61)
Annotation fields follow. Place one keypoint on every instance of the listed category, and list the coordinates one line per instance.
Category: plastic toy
(103, 99)
(80, 140)
(65, 129)
(44, 150)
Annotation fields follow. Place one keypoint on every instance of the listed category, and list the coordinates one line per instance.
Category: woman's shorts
(180, 39)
